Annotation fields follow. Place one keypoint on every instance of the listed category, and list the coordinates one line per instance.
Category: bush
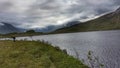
(30, 31)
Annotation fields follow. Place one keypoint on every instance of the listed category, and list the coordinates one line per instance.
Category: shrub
(30, 31)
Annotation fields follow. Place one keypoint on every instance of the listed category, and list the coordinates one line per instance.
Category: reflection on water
(104, 44)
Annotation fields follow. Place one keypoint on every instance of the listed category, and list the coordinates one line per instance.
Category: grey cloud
(42, 13)
(117, 2)
(5, 6)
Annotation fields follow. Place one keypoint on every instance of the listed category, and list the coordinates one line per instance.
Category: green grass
(35, 54)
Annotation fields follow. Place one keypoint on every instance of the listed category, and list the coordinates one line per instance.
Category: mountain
(110, 21)
(71, 23)
(51, 28)
(47, 29)
(8, 28)
(118, 11)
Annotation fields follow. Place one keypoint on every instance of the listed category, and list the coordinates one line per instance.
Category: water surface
(104, 44)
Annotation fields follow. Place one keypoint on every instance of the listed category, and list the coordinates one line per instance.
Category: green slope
(33, 54)
(109, 21)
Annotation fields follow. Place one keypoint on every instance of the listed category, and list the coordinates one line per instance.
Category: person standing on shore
(14, 39)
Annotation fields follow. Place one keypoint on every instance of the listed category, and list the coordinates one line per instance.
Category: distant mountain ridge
(8, 28)
(51, 28)
(118, 11)
(110, 21)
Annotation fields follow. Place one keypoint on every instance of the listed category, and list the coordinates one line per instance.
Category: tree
(30, 31)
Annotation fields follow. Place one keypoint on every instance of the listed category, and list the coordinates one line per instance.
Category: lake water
(104, 44)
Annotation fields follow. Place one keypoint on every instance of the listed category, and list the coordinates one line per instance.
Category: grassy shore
(35, 54)
(9, 35)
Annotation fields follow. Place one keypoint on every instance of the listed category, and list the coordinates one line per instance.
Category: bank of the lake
(104, 44)
(35, 54)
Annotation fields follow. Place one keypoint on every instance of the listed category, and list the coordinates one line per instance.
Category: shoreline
(38, 34)
(31, 51)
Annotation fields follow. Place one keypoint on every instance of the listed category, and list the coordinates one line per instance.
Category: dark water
(104, 44)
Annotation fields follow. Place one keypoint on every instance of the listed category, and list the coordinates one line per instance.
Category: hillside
(7, 28)
(33, 54)
(109, 21)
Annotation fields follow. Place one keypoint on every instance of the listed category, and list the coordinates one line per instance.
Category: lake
(104, 44)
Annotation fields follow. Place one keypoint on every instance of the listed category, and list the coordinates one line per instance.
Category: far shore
(10, 35)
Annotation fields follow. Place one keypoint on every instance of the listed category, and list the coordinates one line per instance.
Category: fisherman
(14, 39)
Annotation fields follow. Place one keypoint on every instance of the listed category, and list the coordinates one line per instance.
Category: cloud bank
(41, 13)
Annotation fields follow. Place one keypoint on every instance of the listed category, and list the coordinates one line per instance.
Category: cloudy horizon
(42, 13)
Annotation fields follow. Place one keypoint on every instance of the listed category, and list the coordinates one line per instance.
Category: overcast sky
(41, 13)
